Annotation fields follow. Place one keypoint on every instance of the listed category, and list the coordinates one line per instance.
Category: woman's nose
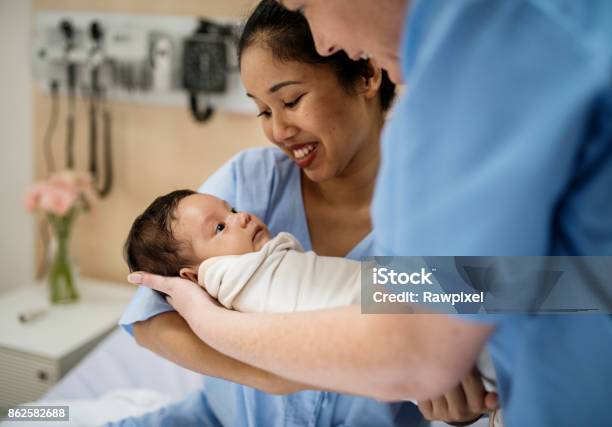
(282, 130)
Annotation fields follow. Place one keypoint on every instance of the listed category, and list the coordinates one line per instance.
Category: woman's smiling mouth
(304, 154)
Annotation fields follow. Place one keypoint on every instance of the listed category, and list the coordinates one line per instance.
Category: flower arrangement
(59, 198)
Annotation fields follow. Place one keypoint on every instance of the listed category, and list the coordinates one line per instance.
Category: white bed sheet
(119, 363)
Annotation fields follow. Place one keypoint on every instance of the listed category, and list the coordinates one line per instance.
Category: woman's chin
(318, 175)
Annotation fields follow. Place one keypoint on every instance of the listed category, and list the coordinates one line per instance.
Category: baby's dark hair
(288, 36)
(151, 245)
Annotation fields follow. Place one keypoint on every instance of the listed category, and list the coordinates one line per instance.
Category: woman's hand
(462, 405)
(184, 295)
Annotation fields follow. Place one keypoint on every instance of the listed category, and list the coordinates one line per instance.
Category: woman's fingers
(463, 403)
(457, 406)
(426, 408)
(153, 281)
(435, 409)
(440, 409)
(474, 392)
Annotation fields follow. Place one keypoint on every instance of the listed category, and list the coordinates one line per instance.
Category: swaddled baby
(231, 254)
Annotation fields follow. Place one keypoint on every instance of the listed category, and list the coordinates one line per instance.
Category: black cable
(93, 136)
(199, 115)
(108, 159)
(70, 125)
(97, 103)
(51, 126)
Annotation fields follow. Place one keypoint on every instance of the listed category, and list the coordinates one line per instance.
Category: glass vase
(61, 275)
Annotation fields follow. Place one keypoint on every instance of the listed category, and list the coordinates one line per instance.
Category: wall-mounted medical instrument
(205, 66)
(147, 59)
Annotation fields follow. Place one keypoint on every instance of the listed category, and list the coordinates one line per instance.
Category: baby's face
(214, 228)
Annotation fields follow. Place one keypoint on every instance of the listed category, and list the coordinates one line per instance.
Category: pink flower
(58, 200)
(60, 193)
(30, 200)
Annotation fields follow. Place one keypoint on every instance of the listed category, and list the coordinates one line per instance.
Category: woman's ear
(371, 85)
(189, 273)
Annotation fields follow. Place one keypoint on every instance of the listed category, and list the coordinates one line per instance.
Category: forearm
(390, 357)
(169, 336)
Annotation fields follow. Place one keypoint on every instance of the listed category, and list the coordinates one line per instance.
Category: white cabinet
(34, 355)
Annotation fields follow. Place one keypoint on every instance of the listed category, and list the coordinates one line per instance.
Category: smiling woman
(323, 112)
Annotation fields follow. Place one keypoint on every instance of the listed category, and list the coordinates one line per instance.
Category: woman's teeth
(304, 151)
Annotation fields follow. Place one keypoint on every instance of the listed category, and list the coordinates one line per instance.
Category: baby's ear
(189, 273)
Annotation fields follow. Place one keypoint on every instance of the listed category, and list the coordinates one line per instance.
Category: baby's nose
(241, 218)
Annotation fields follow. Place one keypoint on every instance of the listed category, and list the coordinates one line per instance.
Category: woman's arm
(390, 357)
(169, 336)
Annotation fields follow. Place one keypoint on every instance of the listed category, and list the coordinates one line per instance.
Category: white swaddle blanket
(281, 277)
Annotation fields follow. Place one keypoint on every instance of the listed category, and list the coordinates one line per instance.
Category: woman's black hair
(288, 36)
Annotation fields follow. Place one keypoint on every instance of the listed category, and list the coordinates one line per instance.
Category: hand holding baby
(187, 297)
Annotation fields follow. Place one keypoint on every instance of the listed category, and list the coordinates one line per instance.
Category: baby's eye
(220, 227)
(234, 210)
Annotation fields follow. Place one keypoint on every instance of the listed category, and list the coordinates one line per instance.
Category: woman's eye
(219, 228)
(293, 103)
(264, 114)
(234, 210)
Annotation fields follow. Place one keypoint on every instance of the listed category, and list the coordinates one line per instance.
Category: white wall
(16, 157)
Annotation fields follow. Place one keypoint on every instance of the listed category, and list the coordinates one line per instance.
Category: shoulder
(435, 28)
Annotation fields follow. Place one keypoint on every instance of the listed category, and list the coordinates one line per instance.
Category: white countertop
(62, 328)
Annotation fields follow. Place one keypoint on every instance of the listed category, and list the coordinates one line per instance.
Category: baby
(232, 255)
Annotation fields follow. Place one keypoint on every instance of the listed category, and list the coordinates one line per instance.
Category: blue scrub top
(502, 145)
(265, 182)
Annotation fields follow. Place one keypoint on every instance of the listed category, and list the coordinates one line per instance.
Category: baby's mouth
(256, 234)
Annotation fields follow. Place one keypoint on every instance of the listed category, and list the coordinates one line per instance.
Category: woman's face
(308, 114)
